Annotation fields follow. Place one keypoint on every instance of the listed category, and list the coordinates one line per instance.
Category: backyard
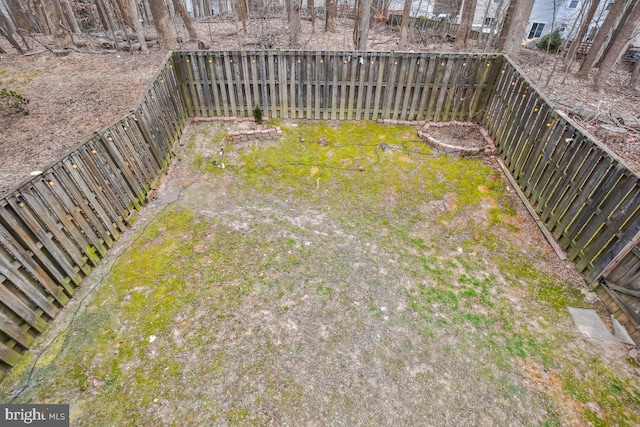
(342, 275)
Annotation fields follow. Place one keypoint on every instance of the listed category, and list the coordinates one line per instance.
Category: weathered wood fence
(338, 85)
(56, 226)
(585, 195)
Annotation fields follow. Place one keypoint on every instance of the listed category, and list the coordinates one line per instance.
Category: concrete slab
(590, 325)
(621, 332)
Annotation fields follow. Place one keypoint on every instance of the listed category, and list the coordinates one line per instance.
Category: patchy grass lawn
(365, 282)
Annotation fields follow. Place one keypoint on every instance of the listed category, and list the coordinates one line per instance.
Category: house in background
(488, 14)
(546, 16)
(565, 16)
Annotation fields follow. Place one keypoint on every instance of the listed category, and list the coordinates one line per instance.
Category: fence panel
(585, 195)
(327, 85)
(55, 227)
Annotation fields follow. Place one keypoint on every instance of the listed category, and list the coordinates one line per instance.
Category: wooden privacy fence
(338, 85)
(58, 225)
(55, 227)
(585, 195)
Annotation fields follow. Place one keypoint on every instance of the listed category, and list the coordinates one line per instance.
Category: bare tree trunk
(582, 32)
(361, 26)
(635, 76)
(5, 31)
(404, 27)
(243, 13)
(146, 11)
(356, 22)
(514, 26)
(331, 11)
(19, 20)
(294, 22)
(61, 34)
(44, 17)
(601, 37)
(311, 8)
(108, 22)
(137, 25)
(102, 14)
(71, 18)
(616, 30)
(385, 10)
(19, 16)
(464, 29)
(618, 44)
(123, 12)
(184, 15)
(166, 34)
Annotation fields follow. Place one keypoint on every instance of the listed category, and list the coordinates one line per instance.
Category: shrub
(257, 114)
(551, 42)
(12, 102)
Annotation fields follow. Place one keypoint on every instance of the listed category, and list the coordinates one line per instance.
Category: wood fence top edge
(65, 154)
(162, 65)
(345, 52)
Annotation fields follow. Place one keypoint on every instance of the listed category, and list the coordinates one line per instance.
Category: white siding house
(564, 15)
(546, 16)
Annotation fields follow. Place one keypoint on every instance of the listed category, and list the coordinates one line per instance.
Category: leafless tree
(293, 13)
(331, 11)
(361, 24)
(464, 29)
(166, 34)
(184, 15)
(70, 17)
(404, 27)
(618, 45)
(19, 16)
(513, 26)
(311, 9)
(582, 32)
(61, 32)
(603, 34)
(243, 13)
(6, 32)
(137, 25)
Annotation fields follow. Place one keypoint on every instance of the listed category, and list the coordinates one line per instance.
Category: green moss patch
(346, 275)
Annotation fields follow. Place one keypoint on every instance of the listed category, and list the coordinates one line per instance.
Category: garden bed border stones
(487, 149)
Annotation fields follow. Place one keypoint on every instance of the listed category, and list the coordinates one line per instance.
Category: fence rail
(56, 227)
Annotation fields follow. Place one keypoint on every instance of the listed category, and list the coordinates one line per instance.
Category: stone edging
(246, 135)
(487, 149)
(260, 134)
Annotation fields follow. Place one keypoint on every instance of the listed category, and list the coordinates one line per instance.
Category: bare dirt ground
(336, 284)
(73, 96)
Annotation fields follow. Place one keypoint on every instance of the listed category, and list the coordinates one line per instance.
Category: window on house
(573, 4)
(536, 30)
(488, 21)
(496, 1)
